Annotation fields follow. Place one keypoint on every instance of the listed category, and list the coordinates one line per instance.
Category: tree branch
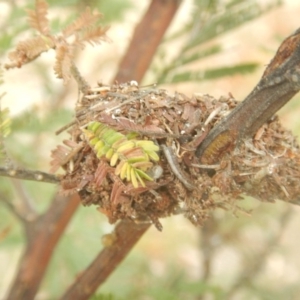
(29, 175)
(26, 207)
(146, 38)
(126, 233)
(280, 82)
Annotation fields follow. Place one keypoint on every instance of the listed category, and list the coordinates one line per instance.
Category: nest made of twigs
(177, 182)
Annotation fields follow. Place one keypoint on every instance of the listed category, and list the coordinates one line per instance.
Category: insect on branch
(279, 83)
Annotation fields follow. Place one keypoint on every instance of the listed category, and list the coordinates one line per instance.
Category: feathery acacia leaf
(124, 124)
(63, 63)
(213, 73)
(28, 50)
(101, 172)
(220, 22)
(84, 21)
(131, 157)
(84, 28)
(37, 18)
(210, 20)
(93, 35)
(61, 155)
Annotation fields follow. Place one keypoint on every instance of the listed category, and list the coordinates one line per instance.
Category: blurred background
(214, 47)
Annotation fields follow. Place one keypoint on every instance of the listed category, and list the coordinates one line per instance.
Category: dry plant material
(84, 29)
(143, 154)
(126, 121)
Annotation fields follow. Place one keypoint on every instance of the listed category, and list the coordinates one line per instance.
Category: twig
(29, 175)
(146, 38)
(12, 208)
(175, 167)
(280, 82)
(63, 128)
(127, 234)
(26, 207)
(83, 86)
(132, 99)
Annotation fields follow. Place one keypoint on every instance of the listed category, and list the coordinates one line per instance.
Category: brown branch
(280, 82)
(83, 86)
(29, 175)
(43, 235)
(146, 38)
(127, 234)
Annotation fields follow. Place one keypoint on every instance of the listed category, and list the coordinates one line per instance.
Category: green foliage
(113, 10)
(214, 20)
(210, 19)
(13, 25)
(31, 122)
(209, 74)
(130, 156)
(103, 297)
(34, 136)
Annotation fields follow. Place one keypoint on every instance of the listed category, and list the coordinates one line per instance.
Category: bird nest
(131, 152)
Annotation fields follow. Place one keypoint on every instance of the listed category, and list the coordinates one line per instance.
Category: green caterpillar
(131, 157)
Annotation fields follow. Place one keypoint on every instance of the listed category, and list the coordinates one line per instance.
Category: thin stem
(146, 38)
(26, 207)
(83, 86)
(12, 208)
(29, 175)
